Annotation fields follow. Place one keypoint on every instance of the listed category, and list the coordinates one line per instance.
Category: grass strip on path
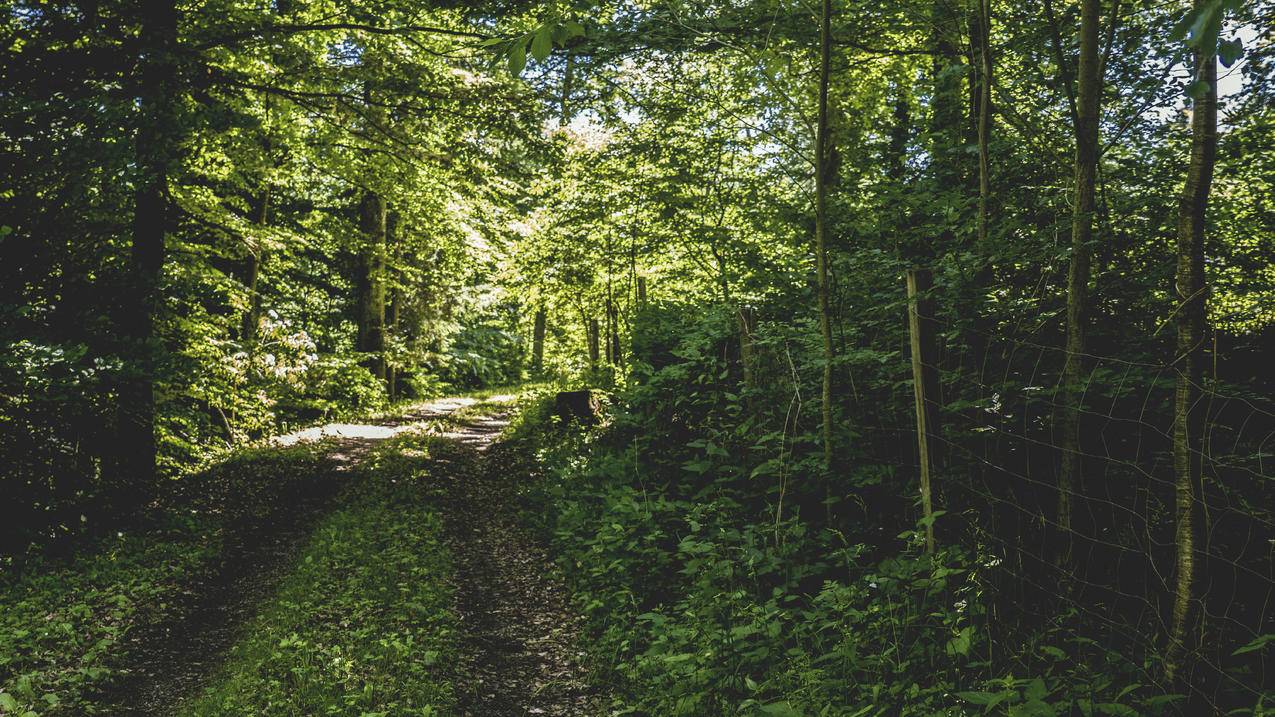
(363, 624)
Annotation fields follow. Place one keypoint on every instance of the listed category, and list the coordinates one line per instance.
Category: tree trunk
(594, 356)
(614, 355)
(394, 302)
(948, 124)
(371, 282)
(392, 373)
(822, 147)
(131, 467)
(1088, 98)
(1188, 415)
(538, 341)
(984, 122)
(251, 327)
(982, 324)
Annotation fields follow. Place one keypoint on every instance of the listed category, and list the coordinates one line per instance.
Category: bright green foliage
(707, 594)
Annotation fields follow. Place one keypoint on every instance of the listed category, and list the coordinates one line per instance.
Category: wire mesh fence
(1111, 571)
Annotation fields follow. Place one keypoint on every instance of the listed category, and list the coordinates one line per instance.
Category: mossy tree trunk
(371, 282)
(1088, 99)
(822, 165)
(1188, 416)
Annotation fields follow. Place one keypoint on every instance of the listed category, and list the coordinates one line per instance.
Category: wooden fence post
(747, 327)
(925, 385)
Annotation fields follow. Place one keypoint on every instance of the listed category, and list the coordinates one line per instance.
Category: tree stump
(581, 406)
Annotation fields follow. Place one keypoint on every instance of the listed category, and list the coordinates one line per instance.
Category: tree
(1191, 292)
(158, 146)
(823, 167)
(1088, 104)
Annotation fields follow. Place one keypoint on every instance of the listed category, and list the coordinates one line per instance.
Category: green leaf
(1033, 708)
(1183, 26)
(8, 703)
(779, 709)
(1255, 645)
(1196, 90)
(1053, 652)
(928, 520)
(960, 644)
(987, 699)
(517, 57)
(542, 43)
(1036, 690)
(1230, 51)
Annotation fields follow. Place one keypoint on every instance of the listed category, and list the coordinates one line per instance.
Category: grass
(363, 625)
(63, 623)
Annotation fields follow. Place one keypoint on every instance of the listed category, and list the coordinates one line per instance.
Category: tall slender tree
(823, 164)
(157, 147)
(1191, 290)
(1088, 104)
(371, 281)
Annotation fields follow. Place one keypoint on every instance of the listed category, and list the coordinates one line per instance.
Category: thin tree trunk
(614, 355)
(1088, 100)
(984, 121)
(392, 372)
(594, 357)
(371, 282)
(395, 295)
(980, 341)
(747, 319)
(131, 468)
(256, 260)
(538, 341)
(822, 146)
(1191, 320)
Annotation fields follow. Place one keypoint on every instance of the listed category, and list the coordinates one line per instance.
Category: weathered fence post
(747, 327)
(925, 385)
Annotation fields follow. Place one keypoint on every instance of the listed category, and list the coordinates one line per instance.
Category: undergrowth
(696, 542)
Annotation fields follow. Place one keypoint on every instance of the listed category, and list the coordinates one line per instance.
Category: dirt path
(174, 657)
(519, 634)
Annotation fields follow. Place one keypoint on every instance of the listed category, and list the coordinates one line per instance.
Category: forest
(771, 358)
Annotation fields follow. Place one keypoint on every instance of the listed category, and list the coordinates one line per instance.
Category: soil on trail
(521, 639)
(171, 659)
(519, 635)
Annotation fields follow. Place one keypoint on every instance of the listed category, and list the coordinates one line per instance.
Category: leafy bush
(693, 532)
